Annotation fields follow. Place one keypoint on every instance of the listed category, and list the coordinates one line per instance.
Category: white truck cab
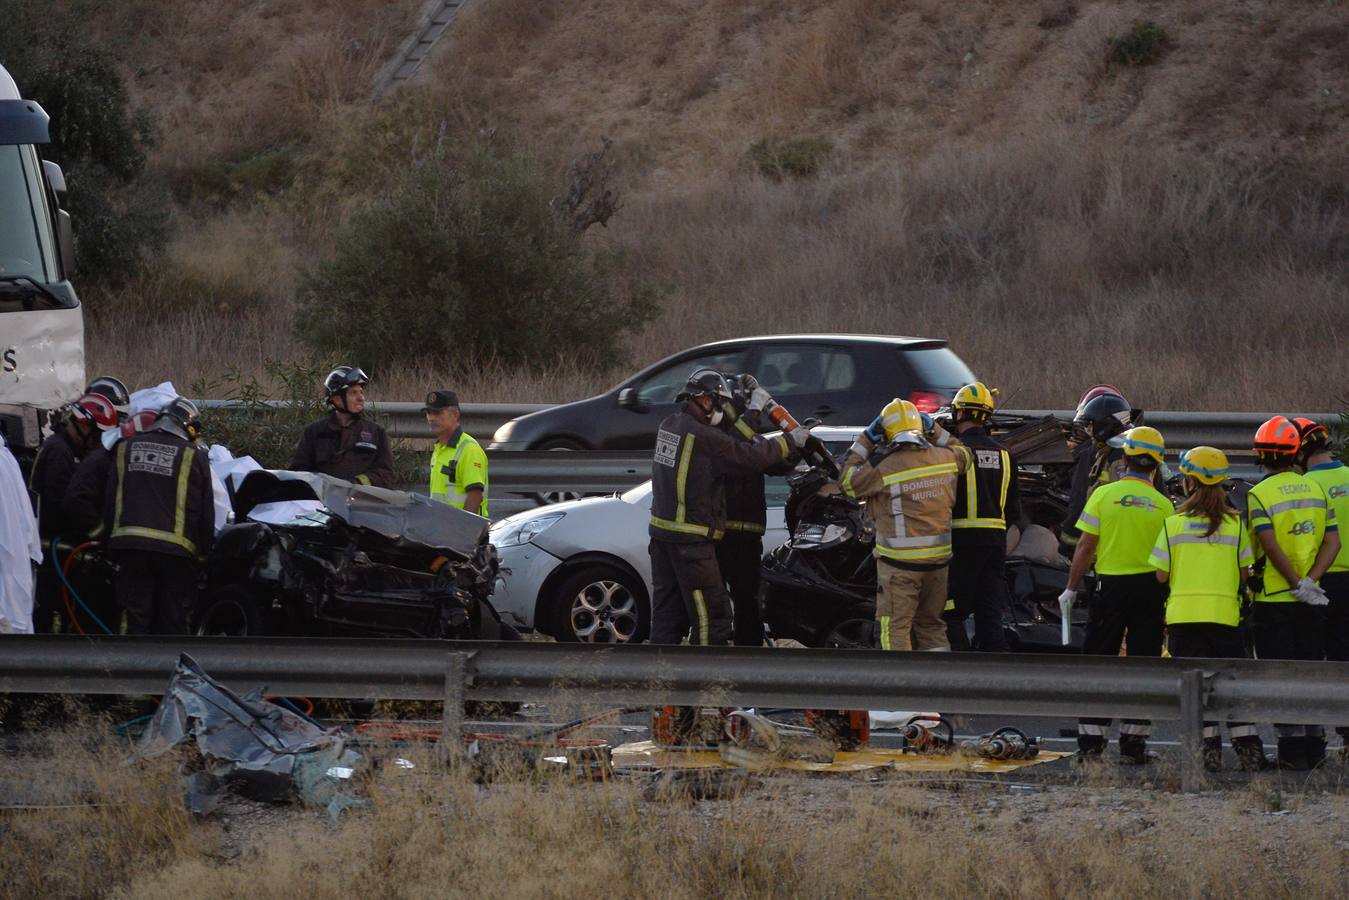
(41, 323)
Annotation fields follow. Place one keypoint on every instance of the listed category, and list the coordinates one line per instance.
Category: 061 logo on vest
(1306, 526)
(156, 459)
(1136, 500)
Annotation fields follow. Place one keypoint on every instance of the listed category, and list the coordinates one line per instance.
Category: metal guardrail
(645, 675)
(1231, 431)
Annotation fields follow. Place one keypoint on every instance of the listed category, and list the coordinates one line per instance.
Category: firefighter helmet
(976, 400)
(902, 423)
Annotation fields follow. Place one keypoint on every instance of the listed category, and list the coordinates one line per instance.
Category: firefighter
(1118, 528)
(909, 494)
(1333, 477)
(1294, 532)
(57, 460)
(1203, 553)
(1102, 416)
(344, 443)
(740, 549)
(160, 520)
(986, 500)
(692, 459)
(458, 463)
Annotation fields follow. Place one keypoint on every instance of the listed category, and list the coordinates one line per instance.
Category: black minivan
(841, 379)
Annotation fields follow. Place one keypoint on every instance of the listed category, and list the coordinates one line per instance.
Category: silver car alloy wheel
(604, 612)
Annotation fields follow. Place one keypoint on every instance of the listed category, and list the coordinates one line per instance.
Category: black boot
(1292, 754)
(1213, 754)
(1250, 753)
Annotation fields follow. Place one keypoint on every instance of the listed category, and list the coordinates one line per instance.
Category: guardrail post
(452, 715)
(1192, 731)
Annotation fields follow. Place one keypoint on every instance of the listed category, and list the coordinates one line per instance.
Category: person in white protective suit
(20, 547)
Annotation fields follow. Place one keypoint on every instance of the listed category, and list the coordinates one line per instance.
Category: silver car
(580, 571)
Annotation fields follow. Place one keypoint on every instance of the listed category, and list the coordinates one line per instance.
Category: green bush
(96, 138)
(1142, 45)
(469, 260)
(254, 425)
(790, 158)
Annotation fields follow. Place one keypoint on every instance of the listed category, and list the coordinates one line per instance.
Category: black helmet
(180, 416)
(114, 390)
(343, 377)
(1104, 416)
(705, 383)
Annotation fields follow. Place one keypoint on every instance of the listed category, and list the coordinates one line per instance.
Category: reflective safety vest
(1294, 508)
(457, 467)
(156, 504)
(1333, 477)
(986, 509)
(1126, 516)
(1205, 569)
(909, 495)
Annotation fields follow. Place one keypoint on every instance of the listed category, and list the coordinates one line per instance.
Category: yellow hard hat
(1144, 441)
(1207, 465)
(975, 398)
(900, 418)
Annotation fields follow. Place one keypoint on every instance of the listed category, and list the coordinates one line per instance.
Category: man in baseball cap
(458, 462)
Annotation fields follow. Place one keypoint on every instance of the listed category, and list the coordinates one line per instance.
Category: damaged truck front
(41, 323)
(315, 555)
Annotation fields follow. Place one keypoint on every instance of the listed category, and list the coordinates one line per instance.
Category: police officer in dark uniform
(345, 444)
(160, 520)
(693, 458)
(986, 500)
(57, 460)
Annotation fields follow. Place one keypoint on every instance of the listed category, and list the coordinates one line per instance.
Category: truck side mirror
(629, 399)
(57, 179)
(65, 236)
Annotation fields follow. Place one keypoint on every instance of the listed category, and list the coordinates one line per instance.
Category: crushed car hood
(397, 515)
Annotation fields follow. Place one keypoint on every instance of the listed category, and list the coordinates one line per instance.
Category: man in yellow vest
(1294, 531)
(1333, 477)
(1119, 525)
(458, 462)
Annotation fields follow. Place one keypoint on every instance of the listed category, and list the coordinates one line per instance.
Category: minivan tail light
(926, 401)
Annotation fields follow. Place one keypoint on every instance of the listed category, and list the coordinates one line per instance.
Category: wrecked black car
(315, 555)
(819, 587)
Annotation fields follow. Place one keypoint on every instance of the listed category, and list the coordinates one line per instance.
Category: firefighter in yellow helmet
(986, 501)
(909, 493)
(1118, 527)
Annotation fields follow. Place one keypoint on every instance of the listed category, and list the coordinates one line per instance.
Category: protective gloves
(759, 399)
(927, 422)
(1066, 601)
(876, 432)
(1309, 592)
(799, 437)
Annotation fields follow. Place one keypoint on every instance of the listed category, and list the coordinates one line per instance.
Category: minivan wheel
(230, 611)
(600, 605)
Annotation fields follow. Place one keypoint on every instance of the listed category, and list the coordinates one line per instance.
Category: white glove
(759, 399)
(798, 436)
(1066, 601)
(1310, 593)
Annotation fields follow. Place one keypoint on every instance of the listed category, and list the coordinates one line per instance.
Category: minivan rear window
(938, 367)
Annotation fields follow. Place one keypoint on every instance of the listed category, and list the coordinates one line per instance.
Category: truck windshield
(26, 241)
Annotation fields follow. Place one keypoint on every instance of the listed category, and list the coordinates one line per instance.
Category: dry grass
(993, 182)
(430, 834)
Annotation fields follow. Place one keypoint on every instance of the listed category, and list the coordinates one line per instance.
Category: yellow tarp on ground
(646, 754)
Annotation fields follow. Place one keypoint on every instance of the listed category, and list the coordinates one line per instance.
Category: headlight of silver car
(508, 533)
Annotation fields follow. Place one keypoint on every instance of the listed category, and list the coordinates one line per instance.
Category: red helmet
(1277, 437)
(139, 422)
(96, 410)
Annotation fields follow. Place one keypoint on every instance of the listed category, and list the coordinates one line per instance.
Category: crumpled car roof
(396, 515)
